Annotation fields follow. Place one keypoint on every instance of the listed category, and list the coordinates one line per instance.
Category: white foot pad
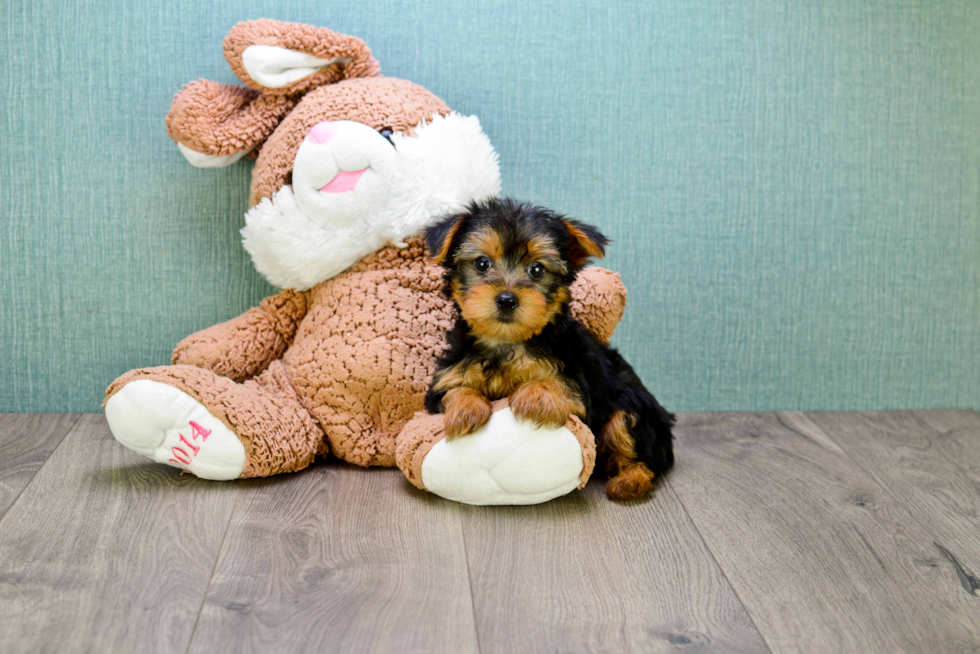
(171, 427)
(508, 461)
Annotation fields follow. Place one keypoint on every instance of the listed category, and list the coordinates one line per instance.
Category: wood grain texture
(26, 442)
(584, 574)
(339, 559)
(822, 557)
(107, 552)
(927, 460)
(775, 533)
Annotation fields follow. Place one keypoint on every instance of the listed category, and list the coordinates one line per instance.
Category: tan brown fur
(317, 41)
(258, 337)
(629, 478)
(479, 310)
(483, 242)
(548, 402)
(562, 295)
(541, 248)
(632, 483)
(530, 383)
(466, 411)
(477, 302)
(498, 383)
(440, 256)
(583, 246)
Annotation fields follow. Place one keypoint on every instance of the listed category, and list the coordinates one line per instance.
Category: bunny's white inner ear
(201, 160)
(275, 67)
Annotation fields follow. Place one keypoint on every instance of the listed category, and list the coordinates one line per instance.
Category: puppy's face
(510, 265)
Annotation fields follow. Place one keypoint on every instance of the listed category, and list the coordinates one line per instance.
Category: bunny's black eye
(385, 132)
(482, 264)
(535, 270)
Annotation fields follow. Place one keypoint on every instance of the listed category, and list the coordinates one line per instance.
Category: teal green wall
(793, 188)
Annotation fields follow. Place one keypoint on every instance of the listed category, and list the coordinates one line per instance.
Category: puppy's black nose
(507, 301)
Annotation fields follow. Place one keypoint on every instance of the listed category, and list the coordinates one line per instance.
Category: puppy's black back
(609, 384)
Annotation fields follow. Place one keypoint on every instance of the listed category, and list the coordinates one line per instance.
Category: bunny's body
(350, 167)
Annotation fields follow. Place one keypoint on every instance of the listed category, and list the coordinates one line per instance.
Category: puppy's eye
(482, 264)
(385, 132)
(535, 270)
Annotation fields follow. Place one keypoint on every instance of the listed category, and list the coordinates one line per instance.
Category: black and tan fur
(509, 267)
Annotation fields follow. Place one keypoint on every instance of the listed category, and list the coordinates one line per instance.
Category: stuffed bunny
(350, 167)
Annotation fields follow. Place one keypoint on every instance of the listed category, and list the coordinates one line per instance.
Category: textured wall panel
(793, 188)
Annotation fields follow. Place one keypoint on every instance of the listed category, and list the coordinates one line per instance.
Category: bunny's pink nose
(323, 132)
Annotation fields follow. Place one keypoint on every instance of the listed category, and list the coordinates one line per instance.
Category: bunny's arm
(598, 301)
(244, 346)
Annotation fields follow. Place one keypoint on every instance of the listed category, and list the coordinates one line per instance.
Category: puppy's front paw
(541, 402)
(466, 411)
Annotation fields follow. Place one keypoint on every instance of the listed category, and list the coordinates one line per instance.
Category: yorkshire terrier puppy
(508, 269)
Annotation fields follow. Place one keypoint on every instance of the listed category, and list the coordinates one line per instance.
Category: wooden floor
(788, 532)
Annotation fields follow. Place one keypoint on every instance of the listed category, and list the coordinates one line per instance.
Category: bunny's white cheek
(340, 174)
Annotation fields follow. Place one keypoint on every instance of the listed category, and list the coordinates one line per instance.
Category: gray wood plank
(106, 551)
(823, 558)
(26, 442)
(339, 559)
(584, 574)
(930, 462)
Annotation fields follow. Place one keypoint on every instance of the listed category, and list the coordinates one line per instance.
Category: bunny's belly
(363, 360)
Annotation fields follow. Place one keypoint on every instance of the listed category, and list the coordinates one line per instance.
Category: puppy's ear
(587, 241)
(439, 237)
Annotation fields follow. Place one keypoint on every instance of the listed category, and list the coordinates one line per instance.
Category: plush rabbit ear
(273, 67)
(281, 59)
(217, 124)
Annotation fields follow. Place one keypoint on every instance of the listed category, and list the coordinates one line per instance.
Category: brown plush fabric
(353, 358)
(222, 119)
(424, 430)
(376, 102)
(364, 356)
(587, 440)
(418, 436)
(598, 300)
(276, 430)
(344, 367)
(317, 41)
(365, 353)
(244, 346)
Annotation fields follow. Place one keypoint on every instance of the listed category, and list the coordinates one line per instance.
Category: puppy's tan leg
(466, 411)
(547, 402)
(630, 479)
